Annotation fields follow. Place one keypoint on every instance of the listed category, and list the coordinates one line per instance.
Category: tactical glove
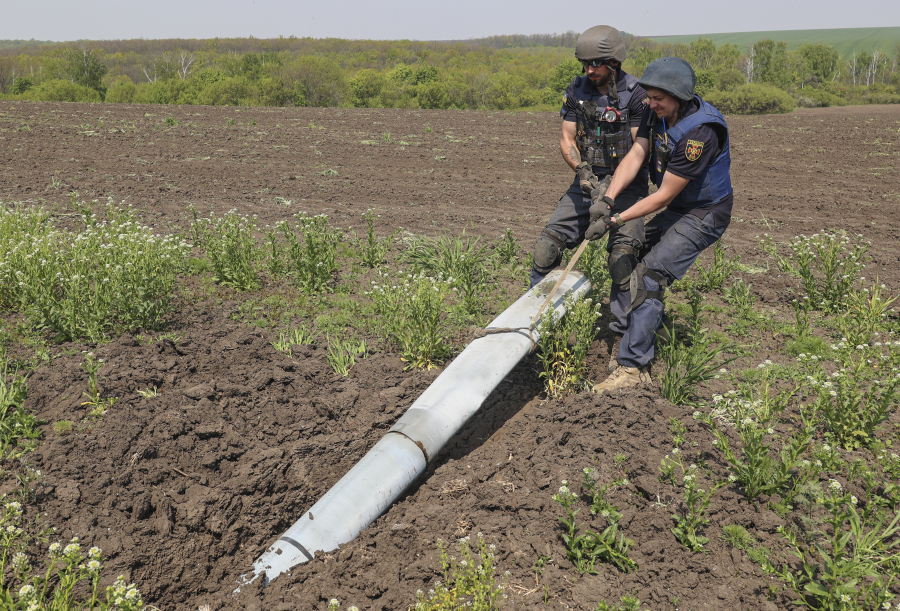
(586, 178)
(598, 228)
(602, 206)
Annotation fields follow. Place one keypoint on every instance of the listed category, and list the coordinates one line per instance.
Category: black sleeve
(567, 112)
(696, 151)
(637, 107)
(644, 128)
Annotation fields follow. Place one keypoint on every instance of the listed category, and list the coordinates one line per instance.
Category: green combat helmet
(601, 42)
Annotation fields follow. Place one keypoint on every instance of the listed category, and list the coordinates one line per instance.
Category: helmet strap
(611, 84)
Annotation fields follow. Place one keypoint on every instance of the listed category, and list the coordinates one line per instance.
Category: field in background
(845, 40)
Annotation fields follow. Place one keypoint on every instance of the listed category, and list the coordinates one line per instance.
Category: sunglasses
(596, 63)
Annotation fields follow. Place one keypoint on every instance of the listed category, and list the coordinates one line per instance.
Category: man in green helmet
(601, 112)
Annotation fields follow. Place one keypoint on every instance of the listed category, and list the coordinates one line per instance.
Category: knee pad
(547, 251)
(639, 291)
(620, 263)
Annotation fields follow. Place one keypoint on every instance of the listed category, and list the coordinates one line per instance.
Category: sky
(67, 20)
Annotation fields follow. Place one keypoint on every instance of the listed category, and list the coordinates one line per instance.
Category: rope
(479, 333)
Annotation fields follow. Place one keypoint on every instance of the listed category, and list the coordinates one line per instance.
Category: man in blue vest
(601, 112)
(687, 142)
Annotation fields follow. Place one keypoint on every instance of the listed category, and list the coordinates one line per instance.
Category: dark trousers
(674, 241)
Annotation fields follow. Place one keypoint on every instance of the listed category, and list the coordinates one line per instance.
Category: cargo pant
(674, 241)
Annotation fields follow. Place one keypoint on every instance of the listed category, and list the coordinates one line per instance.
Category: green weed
(289, 338)
(459, 259)
(626, 603)
(469, 582)
(738, 537)
(859, 395)
(691, 360)
(17, 425)
(691, 520)
(506, 248)
(70, 581)
(412, 313)
(597, 491)
(311, 251)
(342, 354)
(742, 301)
(753, 412)
(98, 404)
(593, 265)
(63, 427)
(847, 569)
(586, 549)
(864, 314)
(231, 247)
(371, 250)
(113, 274)
(826, 263)
(563, 366)
(714, 277)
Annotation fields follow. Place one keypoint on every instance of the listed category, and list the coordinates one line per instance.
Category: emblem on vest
(692, 150)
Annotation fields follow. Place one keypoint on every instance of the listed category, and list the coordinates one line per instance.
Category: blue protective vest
(711, 187)
(601, 142)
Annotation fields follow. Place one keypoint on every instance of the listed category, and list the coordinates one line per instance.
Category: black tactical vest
(603, 134)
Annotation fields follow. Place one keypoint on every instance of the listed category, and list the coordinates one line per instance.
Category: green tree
(562, 74)
(319, 80)
(641, 57)
(172, 91)
(234, 91)
(512, 91)
(402, 74)
(425, 74)
(366, 86)
(727, 57)
(60, 90)
(433, 94)
(821, 60)
(729, 79)
(703, 53)
(752, 99)
(80, 65)
(21, 85)
(857, 66)
(707, 82)
(771, 64)
(122, 91)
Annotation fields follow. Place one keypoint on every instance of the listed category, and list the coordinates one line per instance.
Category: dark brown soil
(184, 490)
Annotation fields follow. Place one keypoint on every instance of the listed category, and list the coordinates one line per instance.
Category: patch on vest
(692, 150)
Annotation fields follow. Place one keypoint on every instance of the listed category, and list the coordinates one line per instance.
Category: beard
(600, 81)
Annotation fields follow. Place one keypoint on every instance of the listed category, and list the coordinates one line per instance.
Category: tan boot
(623, 377)
(614, 354)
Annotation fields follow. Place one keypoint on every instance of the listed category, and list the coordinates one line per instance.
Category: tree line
(497, 72)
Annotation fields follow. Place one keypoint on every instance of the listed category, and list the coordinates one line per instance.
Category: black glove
(598, 228)
(586, 178)
(602, 206)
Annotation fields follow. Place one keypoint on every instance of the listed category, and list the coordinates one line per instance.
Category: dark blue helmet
(671, 74)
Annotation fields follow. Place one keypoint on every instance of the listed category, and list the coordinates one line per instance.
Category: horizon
(73, 20)
(445, 40)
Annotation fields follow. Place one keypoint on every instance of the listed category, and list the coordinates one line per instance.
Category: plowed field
(184, 490)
